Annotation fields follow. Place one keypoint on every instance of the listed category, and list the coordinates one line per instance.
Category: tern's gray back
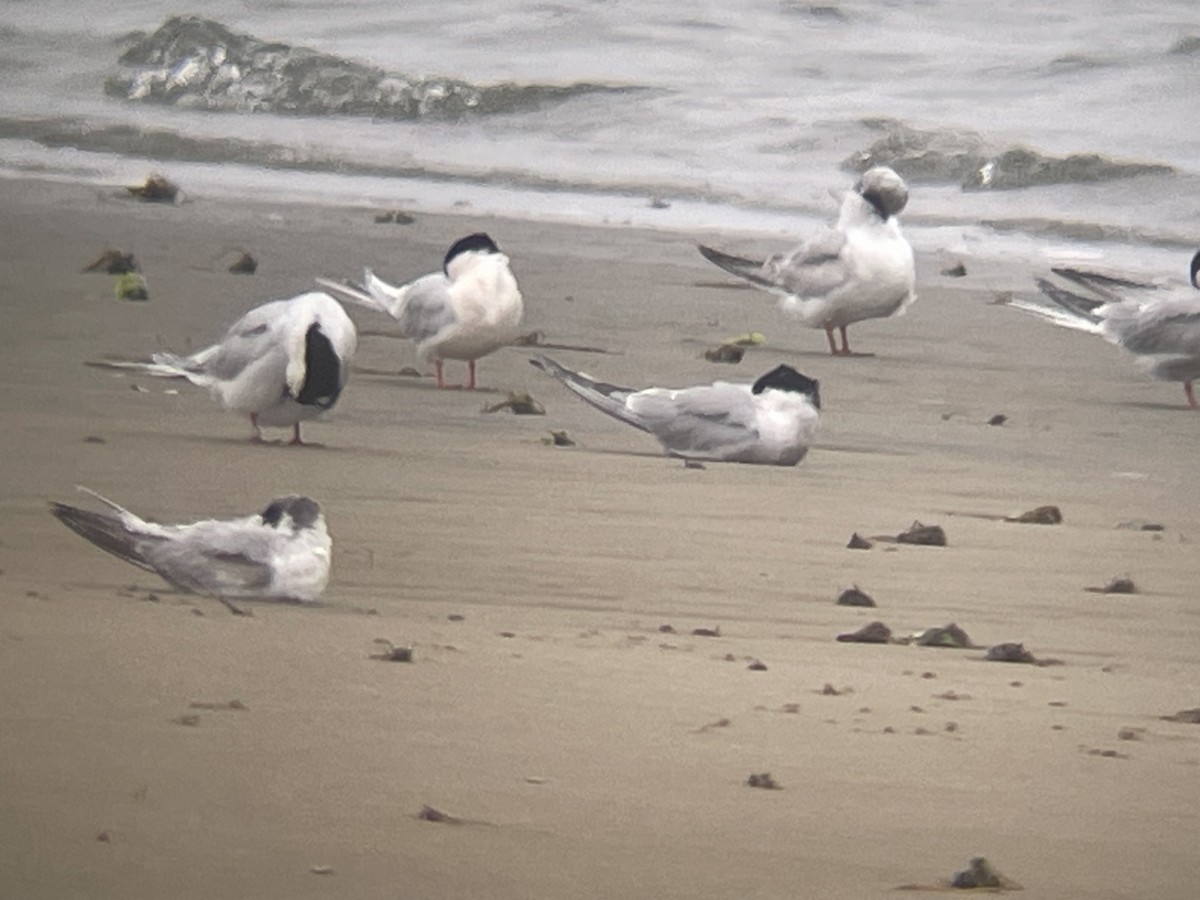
(427, 309)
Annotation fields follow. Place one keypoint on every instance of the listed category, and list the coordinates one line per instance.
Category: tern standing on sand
(860, 269)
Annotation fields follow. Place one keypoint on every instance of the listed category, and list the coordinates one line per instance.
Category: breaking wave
(964, 158)
(196, 63)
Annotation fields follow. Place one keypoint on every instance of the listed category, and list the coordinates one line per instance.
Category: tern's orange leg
(1191, 397)
(437, 368)
(470, 374)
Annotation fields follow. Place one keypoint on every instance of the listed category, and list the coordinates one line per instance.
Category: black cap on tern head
(884, 190)
(1196, 270)
(785, 378)
(472, 242)
(304, 511)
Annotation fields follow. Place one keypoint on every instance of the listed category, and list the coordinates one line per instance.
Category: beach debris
(925, 535)
(748, 339)
(958, 270)
(726, 353)
(790, 708)
(946, 636)
(104, 837)
(718, 723)
(757, 666)
(155, 189)
(871, 633)
(706, 632)
(321, 870)
(389, 652)
(538, 339)
(94, 439)
(1039, 515)
(1120, 585)
(1140, 525)
(112, 262)
(558, 439)
(854, 596)
(998, 419)
(658, 203)
(519, 403)
(1012, 652)
(1130, 734)
(764, 781)
(431, 814)
(951, 695)
(830, 691)
(131, 286)
(1188, 716)
(234, 704)
(858, 542)
(978, 875)
(693, 464)
(234, 608)
(1105, 753)
(666, 629)
(243, 264)
(394, 217)
(455, 617)
(189, 720)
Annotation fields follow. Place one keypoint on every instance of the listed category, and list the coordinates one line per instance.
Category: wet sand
(586, 751)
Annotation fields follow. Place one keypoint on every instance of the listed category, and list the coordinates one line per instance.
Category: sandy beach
(584, 742)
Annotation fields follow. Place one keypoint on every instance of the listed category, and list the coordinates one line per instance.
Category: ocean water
(1067, 130)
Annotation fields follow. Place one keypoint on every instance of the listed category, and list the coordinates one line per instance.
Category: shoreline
(578, 741)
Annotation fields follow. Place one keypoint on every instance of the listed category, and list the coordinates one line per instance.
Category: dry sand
(555, 719)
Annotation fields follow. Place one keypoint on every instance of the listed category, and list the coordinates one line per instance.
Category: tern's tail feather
(1056, 316)
(749, 269)
(608, 398)
(1107, 286)
(354, 293)
(1075, 304)
(367, 294)
(105, 531)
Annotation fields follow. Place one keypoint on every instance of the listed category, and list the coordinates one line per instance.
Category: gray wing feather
(813, 269)
(715, 420)
(427, 309)
(106, 532)
(608, 398)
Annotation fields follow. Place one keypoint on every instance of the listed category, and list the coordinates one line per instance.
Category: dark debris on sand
(871, 633)
(243, 264)
(764, 781)
(726, 353)
(1040, 515)
(1188, 716)
(978, 875)
(946, 636)
(155, 189)
(924, 535)
(1012, 652)
(854, 596)
(519, 404)
(1123, 585)
(112, 262)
